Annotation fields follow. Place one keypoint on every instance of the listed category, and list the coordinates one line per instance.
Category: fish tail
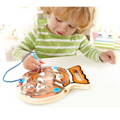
(77, 75)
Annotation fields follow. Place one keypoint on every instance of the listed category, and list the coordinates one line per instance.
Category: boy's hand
(108, 56)
(31, 63)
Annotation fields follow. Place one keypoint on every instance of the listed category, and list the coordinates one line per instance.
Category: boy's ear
(76, 31)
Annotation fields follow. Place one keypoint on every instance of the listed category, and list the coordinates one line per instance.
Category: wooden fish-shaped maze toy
(51, 83)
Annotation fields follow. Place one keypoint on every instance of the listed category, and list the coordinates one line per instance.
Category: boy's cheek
(70, 32)
(54, 25)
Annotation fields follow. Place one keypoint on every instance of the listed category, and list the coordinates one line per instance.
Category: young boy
(60, 37)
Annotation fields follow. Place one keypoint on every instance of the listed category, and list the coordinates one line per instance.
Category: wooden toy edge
(55, 97)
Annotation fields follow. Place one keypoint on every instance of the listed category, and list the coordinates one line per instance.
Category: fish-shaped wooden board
(51, 83)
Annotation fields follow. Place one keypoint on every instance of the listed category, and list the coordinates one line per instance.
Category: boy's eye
(71, 26)
(58, 20)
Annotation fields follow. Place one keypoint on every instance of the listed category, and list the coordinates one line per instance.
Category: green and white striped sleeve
(26, 46)
(88, 50)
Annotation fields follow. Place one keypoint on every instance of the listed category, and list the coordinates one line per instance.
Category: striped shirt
(47, 44)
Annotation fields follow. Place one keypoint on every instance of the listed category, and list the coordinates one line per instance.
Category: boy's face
(60, 27)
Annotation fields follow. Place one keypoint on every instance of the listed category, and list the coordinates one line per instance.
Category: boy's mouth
(60, 33)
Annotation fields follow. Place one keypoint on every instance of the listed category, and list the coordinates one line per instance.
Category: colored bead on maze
(56, 90)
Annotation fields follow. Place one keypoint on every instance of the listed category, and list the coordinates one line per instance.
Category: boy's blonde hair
(80, 17)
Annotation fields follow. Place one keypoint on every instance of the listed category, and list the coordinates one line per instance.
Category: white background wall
(18, 18)
(108, 18)
(21, 18)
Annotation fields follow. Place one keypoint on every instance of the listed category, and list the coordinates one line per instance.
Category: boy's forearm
(89, 51)
(25, 47)
(94, 54)
(19, 53)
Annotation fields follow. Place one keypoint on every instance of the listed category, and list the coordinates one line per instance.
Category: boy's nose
(64, 27)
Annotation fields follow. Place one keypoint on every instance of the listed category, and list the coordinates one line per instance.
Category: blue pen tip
(21, 80)
(35, 56)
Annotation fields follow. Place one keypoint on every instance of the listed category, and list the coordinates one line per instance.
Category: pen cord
(21, 79)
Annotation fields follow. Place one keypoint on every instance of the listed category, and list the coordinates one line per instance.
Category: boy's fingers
(107, 59)
(42, 62)
(31, 66)
(112, 55)
(34, 66)
(35, 61)
(109, 56)
(112, 58)
(112, 61)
